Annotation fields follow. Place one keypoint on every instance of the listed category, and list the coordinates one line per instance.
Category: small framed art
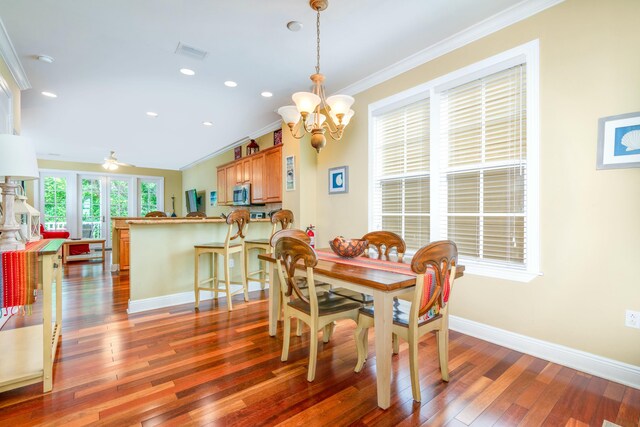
(277, 137)
(619, 141)
(237, 152)
(290, 169)
(339, 180)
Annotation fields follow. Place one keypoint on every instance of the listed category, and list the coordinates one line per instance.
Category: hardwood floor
(180, 367)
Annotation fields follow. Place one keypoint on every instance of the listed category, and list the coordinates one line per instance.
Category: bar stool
(232, 244)
(285, 219)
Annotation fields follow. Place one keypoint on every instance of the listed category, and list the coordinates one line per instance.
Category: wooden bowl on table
(348, 248)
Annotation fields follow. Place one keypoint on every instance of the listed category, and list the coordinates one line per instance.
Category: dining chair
(384, 242)
(284, 218)
(428, 311)
(156, 214)
(317, 311)
(233, 243)
(196, 214)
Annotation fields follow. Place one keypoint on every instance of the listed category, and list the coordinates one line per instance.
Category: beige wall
(203, 176)
(6, 75)
(590, 232)
(172, 179)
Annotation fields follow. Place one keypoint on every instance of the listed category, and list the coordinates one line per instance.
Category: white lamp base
(9, 227)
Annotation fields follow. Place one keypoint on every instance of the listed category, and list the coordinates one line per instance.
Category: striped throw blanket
(20, 277)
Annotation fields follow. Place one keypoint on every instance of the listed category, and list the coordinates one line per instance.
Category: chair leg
(299, 328)
(245, 285)
(313, 351)
(214, 274)
(442, 338)
(328, 332)
(286, 336)
(396, 344)
(262, 265)
(227, 281)
(196, 278)
(413, 365)
(362, 344)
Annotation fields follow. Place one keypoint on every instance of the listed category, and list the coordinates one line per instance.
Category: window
(55, 202)
(455, 159)
(150, 196)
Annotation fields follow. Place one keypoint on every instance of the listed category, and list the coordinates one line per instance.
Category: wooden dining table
(383, 285)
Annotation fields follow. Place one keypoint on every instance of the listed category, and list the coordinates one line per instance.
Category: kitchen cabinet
(273, 176)
(257, 178)
(262, 170)
(124, 249)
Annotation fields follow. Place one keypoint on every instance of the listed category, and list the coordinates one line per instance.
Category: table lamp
(17, 162)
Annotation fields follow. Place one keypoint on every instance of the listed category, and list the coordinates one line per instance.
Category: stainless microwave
(242, 195)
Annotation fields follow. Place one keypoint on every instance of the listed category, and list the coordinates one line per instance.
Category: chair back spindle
(384, 242)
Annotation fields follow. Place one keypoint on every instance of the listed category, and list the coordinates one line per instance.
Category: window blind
(483, 171)
(401, 157)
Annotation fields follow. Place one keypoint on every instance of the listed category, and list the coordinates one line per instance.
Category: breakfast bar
(161, 257)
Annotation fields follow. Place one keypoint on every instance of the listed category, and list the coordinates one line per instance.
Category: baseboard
(147, 304)
(610, 369)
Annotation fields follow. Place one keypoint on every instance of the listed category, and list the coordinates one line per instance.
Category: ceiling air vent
(190, 51)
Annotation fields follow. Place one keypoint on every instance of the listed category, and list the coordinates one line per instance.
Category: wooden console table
(70, 242)
(29, 352)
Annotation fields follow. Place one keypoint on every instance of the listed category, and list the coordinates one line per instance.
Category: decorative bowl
(348, 248)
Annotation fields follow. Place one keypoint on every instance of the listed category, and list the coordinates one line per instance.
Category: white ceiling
(115, 60)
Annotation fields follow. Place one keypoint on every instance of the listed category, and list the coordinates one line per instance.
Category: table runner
(361, 261)
(20, 276)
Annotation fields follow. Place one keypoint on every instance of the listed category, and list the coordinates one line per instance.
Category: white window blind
(401, 194)
(483, 168)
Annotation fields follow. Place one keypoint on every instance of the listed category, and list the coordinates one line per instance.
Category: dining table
(382, 279)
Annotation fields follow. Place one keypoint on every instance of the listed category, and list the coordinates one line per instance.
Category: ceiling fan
(111, 163)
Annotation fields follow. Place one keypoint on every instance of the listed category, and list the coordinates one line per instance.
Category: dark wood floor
(179, 367)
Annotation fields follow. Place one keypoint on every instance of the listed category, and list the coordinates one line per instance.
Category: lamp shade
(17, 158)
(345, 120)
(306, 102)
(340, 104)
(290, 114)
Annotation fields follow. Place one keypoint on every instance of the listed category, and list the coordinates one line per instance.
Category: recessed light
(46, 58)
(294, 26)
(187, 72)
(207, 123)
(266, 94)
(230, 83)
(49, 94)
(152, 114)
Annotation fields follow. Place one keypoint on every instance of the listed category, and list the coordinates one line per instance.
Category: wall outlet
(632, 319)
(231, 263)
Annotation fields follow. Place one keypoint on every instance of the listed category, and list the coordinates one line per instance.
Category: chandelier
(307, 115)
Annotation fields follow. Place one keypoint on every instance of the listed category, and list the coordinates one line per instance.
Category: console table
(29, 352)
(70, 242)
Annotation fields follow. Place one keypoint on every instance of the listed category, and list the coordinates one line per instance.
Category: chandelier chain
(318, 42)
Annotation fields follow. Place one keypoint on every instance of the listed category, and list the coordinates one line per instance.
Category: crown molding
(268, 128)
(516, 13)
(10, 57)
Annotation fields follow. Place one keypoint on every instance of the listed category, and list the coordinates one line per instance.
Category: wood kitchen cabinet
(273, 176)
(262, 170)
(124, 249)
(257, 178)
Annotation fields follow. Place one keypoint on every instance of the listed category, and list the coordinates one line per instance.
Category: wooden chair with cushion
(156, 214)
(384, 242)
(428, 311)
(317, 311)
(196, 214)
(284, 218)
(234, 243)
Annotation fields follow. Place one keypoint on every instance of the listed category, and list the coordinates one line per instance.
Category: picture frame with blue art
(619, 141)
(339, 180)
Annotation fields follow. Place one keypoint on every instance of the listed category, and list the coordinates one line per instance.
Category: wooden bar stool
(285, 219)
(232, 244)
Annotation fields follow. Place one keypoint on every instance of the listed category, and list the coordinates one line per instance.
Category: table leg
(47, 282)
(274, 299)
(383, 322)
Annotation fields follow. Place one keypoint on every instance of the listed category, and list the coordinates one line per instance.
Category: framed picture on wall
(277, 137)
(291, 174)
(339, 180)
(619, 141)
(237, 153)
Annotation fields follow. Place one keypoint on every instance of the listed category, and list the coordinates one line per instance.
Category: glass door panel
(55, 202)
(92, 208)
(118, 201)
(148, 197)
